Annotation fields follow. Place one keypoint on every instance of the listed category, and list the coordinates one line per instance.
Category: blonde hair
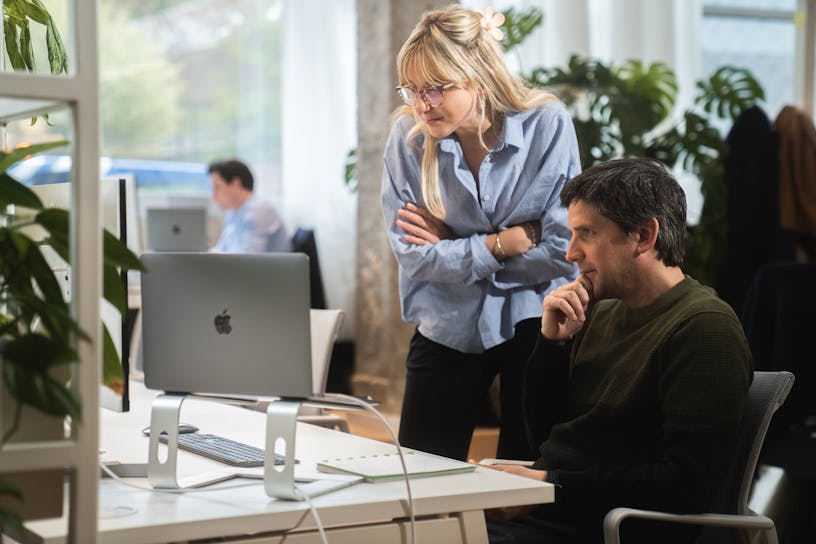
(449, 45)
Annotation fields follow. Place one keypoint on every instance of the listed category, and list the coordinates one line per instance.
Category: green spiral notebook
(385, 466)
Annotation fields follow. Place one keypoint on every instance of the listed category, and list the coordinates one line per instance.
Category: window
(756, 34)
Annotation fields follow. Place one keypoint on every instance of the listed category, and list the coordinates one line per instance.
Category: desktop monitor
(119, 216)
(177, 229)
(227, 324)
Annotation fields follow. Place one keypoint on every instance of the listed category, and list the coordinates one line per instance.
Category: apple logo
(222, 323)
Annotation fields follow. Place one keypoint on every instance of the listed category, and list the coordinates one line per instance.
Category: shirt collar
(512, 134)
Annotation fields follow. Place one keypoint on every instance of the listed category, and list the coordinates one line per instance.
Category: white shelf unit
(79, 93)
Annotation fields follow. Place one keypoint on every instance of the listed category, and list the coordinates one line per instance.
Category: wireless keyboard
(224, 450)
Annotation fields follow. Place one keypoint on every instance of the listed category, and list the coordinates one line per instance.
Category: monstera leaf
(728, 92)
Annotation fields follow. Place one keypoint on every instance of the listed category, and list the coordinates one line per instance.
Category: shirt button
(486, 198)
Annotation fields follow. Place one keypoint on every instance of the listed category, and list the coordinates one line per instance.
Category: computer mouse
(183, 428)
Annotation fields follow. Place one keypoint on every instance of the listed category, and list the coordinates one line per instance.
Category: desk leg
(472, 524)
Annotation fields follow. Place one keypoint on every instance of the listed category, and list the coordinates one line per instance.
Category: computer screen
(119, 216)
(227, 324)
(176, 229)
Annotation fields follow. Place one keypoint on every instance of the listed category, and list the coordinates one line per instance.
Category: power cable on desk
(358, 402)
(308, 499)
(347, 398)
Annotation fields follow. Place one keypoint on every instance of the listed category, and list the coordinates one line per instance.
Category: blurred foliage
(38, 333)
(629, 110)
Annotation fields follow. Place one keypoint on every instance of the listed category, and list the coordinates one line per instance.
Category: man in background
(251, 225)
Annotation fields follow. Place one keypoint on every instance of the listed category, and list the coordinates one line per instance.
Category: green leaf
(26, 50)
(57, 58)
(37, 352)
(728, 92)
(14, 192)
(56, 222)
(117, 253)
(20, 153)
(41, 391)
(42, 272)
(8, 490)
(112, 372)
(12, 48)
(56, 319)
(517, 26)
(34, 11)
(114, 289)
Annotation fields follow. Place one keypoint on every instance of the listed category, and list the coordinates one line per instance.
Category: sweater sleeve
(546, 386)
(704, 374)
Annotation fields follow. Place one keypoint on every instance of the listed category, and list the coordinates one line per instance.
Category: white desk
(448, 508)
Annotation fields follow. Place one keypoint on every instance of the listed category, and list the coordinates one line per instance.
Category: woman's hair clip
(491, 23)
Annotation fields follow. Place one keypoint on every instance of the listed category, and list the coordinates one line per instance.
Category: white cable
(308, 499)
(122, 481)
(371, 409)
(316, 518)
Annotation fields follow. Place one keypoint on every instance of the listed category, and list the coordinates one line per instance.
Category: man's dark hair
(230, 169)
(630, 192)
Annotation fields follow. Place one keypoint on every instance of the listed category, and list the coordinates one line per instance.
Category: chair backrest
(767, 393)
(325, 325)
(304, 242)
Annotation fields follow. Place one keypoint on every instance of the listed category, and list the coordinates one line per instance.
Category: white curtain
(318, 128)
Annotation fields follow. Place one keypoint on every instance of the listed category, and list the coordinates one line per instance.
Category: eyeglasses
(432, 96)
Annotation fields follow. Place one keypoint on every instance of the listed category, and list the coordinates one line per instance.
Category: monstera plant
(38, 334)
(628, 109)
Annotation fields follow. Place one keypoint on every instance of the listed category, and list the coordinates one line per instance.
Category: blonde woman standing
(474, 166)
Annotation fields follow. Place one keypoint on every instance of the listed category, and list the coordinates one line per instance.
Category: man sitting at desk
(250, 224)
(636, 387)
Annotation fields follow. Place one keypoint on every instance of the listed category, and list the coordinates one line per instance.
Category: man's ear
(647, 235)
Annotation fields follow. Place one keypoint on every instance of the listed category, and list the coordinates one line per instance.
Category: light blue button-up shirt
(255, 227)
(455, 290)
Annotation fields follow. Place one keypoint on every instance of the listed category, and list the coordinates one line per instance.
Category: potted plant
(628, 110)
(38, 335)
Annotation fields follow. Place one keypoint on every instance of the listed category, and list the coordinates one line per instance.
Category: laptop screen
(227, 324)
(176, 229)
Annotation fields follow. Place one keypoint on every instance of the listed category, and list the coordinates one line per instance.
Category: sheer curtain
(318, 128)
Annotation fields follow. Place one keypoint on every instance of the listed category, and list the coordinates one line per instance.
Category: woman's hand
(421, 227)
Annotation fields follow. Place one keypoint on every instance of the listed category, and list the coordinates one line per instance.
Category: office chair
(304, 242)
(325, 325)
(767, 393)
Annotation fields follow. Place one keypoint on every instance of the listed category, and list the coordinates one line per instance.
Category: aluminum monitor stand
(280, 481)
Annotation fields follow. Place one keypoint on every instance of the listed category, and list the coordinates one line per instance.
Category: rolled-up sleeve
(560, 162)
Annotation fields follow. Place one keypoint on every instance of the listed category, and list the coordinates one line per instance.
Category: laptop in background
(176, 229)
(227, 324)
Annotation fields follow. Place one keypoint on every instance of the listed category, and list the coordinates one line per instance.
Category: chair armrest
(614, 518)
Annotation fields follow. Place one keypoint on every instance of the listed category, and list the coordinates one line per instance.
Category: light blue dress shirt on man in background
(254, 227)
(458, 294)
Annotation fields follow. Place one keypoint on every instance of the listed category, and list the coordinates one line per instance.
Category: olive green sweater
(643, 411)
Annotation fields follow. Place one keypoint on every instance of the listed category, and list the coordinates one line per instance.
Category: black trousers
(444, 390)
